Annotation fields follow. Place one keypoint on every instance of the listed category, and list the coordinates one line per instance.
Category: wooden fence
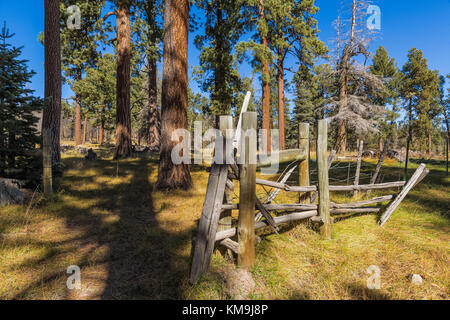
(215, 225)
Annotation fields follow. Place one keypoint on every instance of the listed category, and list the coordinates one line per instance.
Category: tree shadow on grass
(115, 228)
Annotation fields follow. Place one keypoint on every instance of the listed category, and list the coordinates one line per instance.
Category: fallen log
(355, 210)
(275, 207)
(288, 188)
(387, 185)
(230, 244)
(363, 203)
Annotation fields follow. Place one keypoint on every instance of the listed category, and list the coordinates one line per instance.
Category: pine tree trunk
(265, 84)
(78, 114)
(85, 128)
(51, 118)
(102, 126)
(429, 141)
(174, 93)
(154, 135)
(280, 79)
(123, 117)
(341, 136)
(447, 124)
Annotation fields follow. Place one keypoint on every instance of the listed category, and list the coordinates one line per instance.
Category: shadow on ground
(118, 242)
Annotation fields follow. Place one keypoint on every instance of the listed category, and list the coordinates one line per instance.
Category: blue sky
(404, 24)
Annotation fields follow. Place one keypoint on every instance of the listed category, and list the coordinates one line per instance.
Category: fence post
(246, 222)
(226, 123)
(358, 167)
(303, 179)
(324, 193)
(47, 162)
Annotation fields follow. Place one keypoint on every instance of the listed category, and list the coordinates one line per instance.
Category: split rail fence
(215, 225)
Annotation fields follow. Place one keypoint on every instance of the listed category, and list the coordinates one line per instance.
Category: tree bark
(341, 136)
(265, 84)
(429, 141)
(78, 113)
(102, 126)
(51, 118)
(123, 117)
(154, 135)
(446, 122)
(85, 128)
(174, 93)
(280, 79)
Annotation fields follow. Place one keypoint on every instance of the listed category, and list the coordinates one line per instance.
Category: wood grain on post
(47, 161)
(358, 166)
(246, 222)
(303, 178)
(204, 224)
(330, 162)
(380, 162)
(324, 194)
(226, 123)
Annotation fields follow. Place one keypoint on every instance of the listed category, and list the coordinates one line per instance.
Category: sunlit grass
(133, 242)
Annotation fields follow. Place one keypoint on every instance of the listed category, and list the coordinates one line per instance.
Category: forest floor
(135, 243)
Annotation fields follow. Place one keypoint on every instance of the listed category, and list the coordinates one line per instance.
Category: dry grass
(132, 243)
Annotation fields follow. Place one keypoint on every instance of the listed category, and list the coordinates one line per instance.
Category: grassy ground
(132, 243)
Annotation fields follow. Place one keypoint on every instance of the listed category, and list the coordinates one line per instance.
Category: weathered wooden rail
(241, 239)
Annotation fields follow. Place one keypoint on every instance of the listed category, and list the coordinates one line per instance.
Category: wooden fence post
(303, 143)
(47, 162)
(358, 166)
(324, 193)
(226, 122)
(246, 222)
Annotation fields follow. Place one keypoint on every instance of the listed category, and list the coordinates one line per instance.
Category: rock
(239, 283)
(416, 279)
(91, 155)
(82, 150)
(368, 154)
(10, 192)
(66, 147)
(140, 149)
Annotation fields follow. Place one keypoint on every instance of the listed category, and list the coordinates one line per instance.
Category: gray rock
(416, 279)
(82, 150)
(10, 192)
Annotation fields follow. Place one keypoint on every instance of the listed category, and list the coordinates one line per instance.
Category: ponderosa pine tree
(445, 103)
(265, 76)
(97, 92)
(291, 29)
(18, 108)
(174, 100)
(79, 46)
(420, 88)
(385, 67)
(51, 118)
(148, 34)
(123, 49)
(217, 74)
(312, 93)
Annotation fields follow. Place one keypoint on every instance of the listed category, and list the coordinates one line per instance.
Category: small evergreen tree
(18, 110)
